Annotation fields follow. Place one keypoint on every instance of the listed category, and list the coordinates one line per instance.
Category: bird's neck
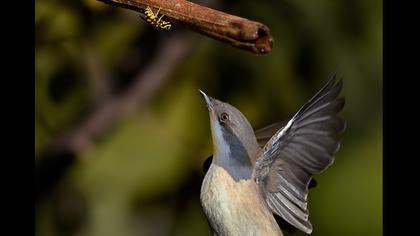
(235, 157)
(233, 153)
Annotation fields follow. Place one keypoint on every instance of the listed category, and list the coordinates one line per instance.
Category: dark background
(141, 173)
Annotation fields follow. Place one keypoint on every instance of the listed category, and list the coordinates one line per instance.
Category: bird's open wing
(305, 146)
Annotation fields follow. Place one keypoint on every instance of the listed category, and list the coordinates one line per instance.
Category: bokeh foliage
(143, 176)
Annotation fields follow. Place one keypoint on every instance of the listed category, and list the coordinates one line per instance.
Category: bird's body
(246, 184)
(235, 207)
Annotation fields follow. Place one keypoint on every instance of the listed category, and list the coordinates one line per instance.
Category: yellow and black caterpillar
(153, 19)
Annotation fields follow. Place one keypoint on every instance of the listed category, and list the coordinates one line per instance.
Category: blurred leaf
(57, 20)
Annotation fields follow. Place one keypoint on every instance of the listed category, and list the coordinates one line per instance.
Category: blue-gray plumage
(246, 184)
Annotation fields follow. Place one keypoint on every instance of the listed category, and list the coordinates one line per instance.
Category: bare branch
(236, 31)
(139, 94)
(98, 76)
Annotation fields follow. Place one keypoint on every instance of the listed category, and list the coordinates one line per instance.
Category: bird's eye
(224, 117)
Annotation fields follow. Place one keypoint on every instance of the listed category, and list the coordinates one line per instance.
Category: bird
(250, 182)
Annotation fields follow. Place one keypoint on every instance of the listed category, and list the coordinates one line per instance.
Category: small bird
(249, 180)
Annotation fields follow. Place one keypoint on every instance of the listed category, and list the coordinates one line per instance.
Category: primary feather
(303, 147)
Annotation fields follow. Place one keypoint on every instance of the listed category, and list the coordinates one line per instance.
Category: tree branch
(113, 108)
(236, 31)
(63, 151)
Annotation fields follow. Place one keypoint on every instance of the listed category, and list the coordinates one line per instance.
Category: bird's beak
(209, 100)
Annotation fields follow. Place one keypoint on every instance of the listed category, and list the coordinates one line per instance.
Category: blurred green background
(142, 174)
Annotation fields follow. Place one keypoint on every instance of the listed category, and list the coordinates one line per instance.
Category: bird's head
(232, 134)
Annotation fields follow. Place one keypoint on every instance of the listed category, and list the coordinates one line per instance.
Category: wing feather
(300, 149)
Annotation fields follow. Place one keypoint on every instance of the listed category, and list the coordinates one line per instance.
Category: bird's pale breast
(235, 208)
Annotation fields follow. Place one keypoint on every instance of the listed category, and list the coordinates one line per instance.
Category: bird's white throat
(221, 147)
